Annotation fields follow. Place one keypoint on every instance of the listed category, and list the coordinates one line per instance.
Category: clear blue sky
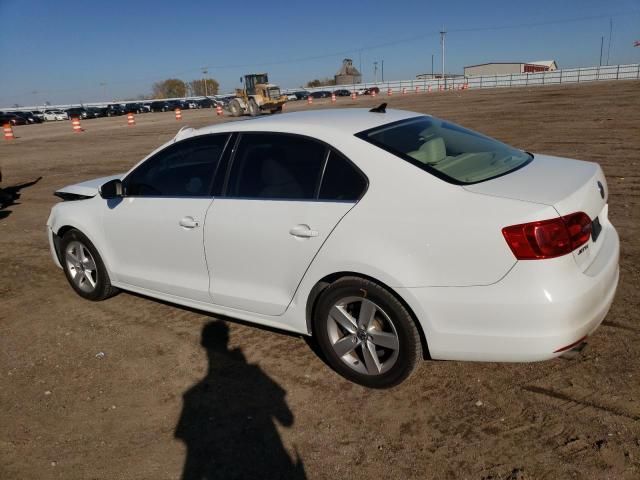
(62, 51)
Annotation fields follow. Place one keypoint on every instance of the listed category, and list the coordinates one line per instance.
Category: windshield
(449, 151)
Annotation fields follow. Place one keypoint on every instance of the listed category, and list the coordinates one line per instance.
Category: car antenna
(382, 108)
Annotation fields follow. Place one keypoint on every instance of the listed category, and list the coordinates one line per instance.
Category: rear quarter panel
(412, 229)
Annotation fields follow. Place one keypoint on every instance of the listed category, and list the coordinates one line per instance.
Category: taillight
(548, 238)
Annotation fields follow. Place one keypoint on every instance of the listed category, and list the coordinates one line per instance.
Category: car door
(261, 236)
(155, 233)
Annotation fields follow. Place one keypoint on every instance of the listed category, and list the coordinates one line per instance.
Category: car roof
(344, 121)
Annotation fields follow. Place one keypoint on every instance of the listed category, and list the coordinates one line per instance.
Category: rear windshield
(449, 151)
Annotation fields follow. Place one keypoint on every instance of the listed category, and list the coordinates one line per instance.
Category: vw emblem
(601, 189)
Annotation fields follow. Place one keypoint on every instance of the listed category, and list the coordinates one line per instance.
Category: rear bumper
(538, 308)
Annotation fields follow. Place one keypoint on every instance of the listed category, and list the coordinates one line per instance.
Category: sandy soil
(131, 388)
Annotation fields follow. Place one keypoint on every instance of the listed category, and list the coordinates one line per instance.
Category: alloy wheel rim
(81, 266)
(363, 336)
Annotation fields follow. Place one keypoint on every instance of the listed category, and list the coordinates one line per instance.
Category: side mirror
(112, 189)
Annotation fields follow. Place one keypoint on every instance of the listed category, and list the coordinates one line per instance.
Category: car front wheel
(366, 334)
(84, 268)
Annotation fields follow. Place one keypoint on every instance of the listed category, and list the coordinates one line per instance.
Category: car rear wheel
(84, 268)
(366, 334)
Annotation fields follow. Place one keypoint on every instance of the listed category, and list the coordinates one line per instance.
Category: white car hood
(88, 188)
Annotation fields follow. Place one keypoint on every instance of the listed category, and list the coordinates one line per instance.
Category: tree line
(324, 82)
(174, 88)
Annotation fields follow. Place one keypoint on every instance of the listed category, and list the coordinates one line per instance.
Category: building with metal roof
(506, 68)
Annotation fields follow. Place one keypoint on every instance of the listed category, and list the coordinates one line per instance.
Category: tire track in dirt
(576, 401)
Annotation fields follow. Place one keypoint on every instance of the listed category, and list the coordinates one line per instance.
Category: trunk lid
(567, 185)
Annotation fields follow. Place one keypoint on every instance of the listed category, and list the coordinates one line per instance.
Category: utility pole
(375, 71)
(610, 33)
(383, 70)
(204, 79)
(443, 33)
(432, 66)
(601, 45)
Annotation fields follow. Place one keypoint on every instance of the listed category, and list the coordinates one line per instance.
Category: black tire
(253, 108)
(277, 110)
(402, 361)
(103, 288)
(234, 108)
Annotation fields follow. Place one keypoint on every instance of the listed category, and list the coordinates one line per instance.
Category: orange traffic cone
(429, 89)
(353, 95)
(8, 131)
(309, 100)
(333, 97)
(373, 93)
(219, 110)
(417, 88)
(75, 124)
(404, 90)
(178, 114)
(131, 121)
(388, 92)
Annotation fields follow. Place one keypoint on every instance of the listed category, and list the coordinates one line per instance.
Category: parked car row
(341, 92)
(23, 117)
(20, 118)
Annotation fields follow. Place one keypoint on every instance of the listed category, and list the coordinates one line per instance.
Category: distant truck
(258, 95)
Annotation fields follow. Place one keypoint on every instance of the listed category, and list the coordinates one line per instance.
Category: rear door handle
(303, 231)
(189, 222)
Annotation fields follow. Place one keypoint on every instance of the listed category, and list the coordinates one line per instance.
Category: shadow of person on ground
(10, 195)
(228, 418)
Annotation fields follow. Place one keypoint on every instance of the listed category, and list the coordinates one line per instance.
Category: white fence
(556, 77)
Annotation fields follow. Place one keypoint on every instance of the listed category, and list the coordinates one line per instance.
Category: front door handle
(189, 222)
(303, 231)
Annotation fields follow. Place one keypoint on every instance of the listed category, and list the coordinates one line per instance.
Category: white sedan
(50, 115)
(389, 236)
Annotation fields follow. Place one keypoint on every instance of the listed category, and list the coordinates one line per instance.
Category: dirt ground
(132, 388)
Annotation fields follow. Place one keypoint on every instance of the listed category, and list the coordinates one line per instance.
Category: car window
(341, 181)
(183, 169)
(276, 166)
(447, 150)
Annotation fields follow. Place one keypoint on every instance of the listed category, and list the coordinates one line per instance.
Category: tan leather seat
(430, 152)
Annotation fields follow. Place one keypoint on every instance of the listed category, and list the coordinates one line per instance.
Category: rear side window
(184, 169)
(449, 151)
(341, 180)
(276, 166)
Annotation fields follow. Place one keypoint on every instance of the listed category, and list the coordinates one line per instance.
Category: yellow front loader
(258, 95)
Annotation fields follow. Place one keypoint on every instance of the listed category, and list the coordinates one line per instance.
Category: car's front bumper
(537, 309)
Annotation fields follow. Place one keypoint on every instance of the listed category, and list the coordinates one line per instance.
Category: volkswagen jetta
(387, 235)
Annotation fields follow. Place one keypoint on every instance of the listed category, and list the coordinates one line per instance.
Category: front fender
(82, 215)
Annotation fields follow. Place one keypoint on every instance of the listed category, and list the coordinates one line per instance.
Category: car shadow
(228, 419)
(10, 195)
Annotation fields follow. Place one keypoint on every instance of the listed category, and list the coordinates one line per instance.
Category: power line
(369, 47)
